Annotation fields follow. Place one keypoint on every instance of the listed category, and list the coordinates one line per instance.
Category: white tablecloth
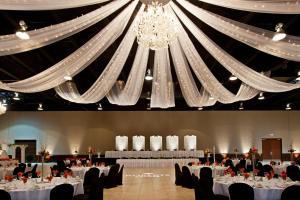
(153, 163)
(80, 171)
(266, 189)
(216, 170)
(154, 154)
(37, 191)
(8, 162)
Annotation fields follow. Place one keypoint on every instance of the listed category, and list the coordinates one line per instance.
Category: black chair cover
(4, 195)
(178, 175)
(187, 180)
(291, 193)
(62, 192)
(120, 176)
(293, 172)
(240, 191)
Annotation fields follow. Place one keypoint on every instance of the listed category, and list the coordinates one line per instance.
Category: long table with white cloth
(154, 154)
(154, 163)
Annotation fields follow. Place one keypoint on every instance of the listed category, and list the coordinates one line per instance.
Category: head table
(34, 189)
(263, 188)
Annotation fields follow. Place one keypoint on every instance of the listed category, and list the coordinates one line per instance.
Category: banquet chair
(293, 172)
(291, 192)
(238, 191)
(32, 172)
(4, 195)
(187, 179)
(62, 192)
(17, 170)
(120, 176)
(110, 179)
(267, 168)
(93, 184)
(178, 175)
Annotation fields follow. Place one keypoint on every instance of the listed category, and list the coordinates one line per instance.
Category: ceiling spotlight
(40, 107)
(200, 108)
(148, 76)
(16, 97)
(68, 78)
(4, 103)
(298, 78)
(148, 95)
(261, 96)
(21, 33)
(211, 97)
(233, 78)
(100, 107)
(241, 106)
(279, 34)
(148, 106)
(288, 106)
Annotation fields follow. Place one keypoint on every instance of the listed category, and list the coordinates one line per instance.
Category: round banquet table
(216, 170)
(33, 190)
(265, 189)
(80, 171)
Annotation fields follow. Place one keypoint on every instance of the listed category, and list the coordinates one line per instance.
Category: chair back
(205, 173)
(291, 192)
(4, 195)
(111, 178)
(178, 175)
(17, 170)
(62, 192)
(267, 168)
(187, 180)
(203, 190)
(240, 191)
(293, 172)
(120, 176)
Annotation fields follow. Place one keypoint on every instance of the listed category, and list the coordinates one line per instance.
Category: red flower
(20, 174)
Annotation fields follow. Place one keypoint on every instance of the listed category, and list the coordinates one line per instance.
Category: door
(30, 151)
(272, 148)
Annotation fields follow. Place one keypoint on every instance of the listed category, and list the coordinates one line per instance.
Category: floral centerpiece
(207, 152)
(44, 154)
(90, 152)
(252, 152)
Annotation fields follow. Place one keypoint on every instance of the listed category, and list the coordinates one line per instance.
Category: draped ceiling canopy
(183, 31)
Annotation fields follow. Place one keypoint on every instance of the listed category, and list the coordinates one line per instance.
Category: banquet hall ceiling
(23, 65)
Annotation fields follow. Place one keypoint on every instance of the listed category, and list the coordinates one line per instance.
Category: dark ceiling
(23, 65)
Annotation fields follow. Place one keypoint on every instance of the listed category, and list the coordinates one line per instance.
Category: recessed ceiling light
(261, 96)
(211, 97)
(279, 34)
(233, 78)
(148, 76)
(148, 106)
(16, 97)
(68, 78)
(200, 108)
(21, 33)
(288, 106)
(4, 103)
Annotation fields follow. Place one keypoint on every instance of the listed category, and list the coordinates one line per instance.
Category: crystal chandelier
(2, 108)
(156, 28)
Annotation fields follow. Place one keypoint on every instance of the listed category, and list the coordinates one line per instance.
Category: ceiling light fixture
(261, 96)
(148, 76)
(241, 106)
(16, 97)
(156, 27)
(148, 106)
(288, 106)
(21, 33)
(298, 78)
(4, 103)
(68, 78)
(100, 107)
(200, 108)
(233, 78)
(148, 95)
(40, 108)
(279, 34)
(211, 97)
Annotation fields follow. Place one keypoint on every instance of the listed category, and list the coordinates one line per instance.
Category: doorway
(30, 151)
(271, 148)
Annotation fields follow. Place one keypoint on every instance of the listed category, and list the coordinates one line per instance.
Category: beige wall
(63, 132)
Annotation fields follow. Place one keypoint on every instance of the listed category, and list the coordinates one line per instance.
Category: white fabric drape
(129, 95)
(244, 73)
(172, 142)
(264, 6)
(258, 38)
(121, 143)
(162, 95)
(212, 86)
(108, 77)
(138, 143)
(155, 143)
(11, 44)
(46, 4)
(77, 61)
(190, 142)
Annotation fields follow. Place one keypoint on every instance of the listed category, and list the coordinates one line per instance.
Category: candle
(214, 152)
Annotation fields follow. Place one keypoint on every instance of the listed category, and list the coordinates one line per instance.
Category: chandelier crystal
(2, 109)
(156, 28)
